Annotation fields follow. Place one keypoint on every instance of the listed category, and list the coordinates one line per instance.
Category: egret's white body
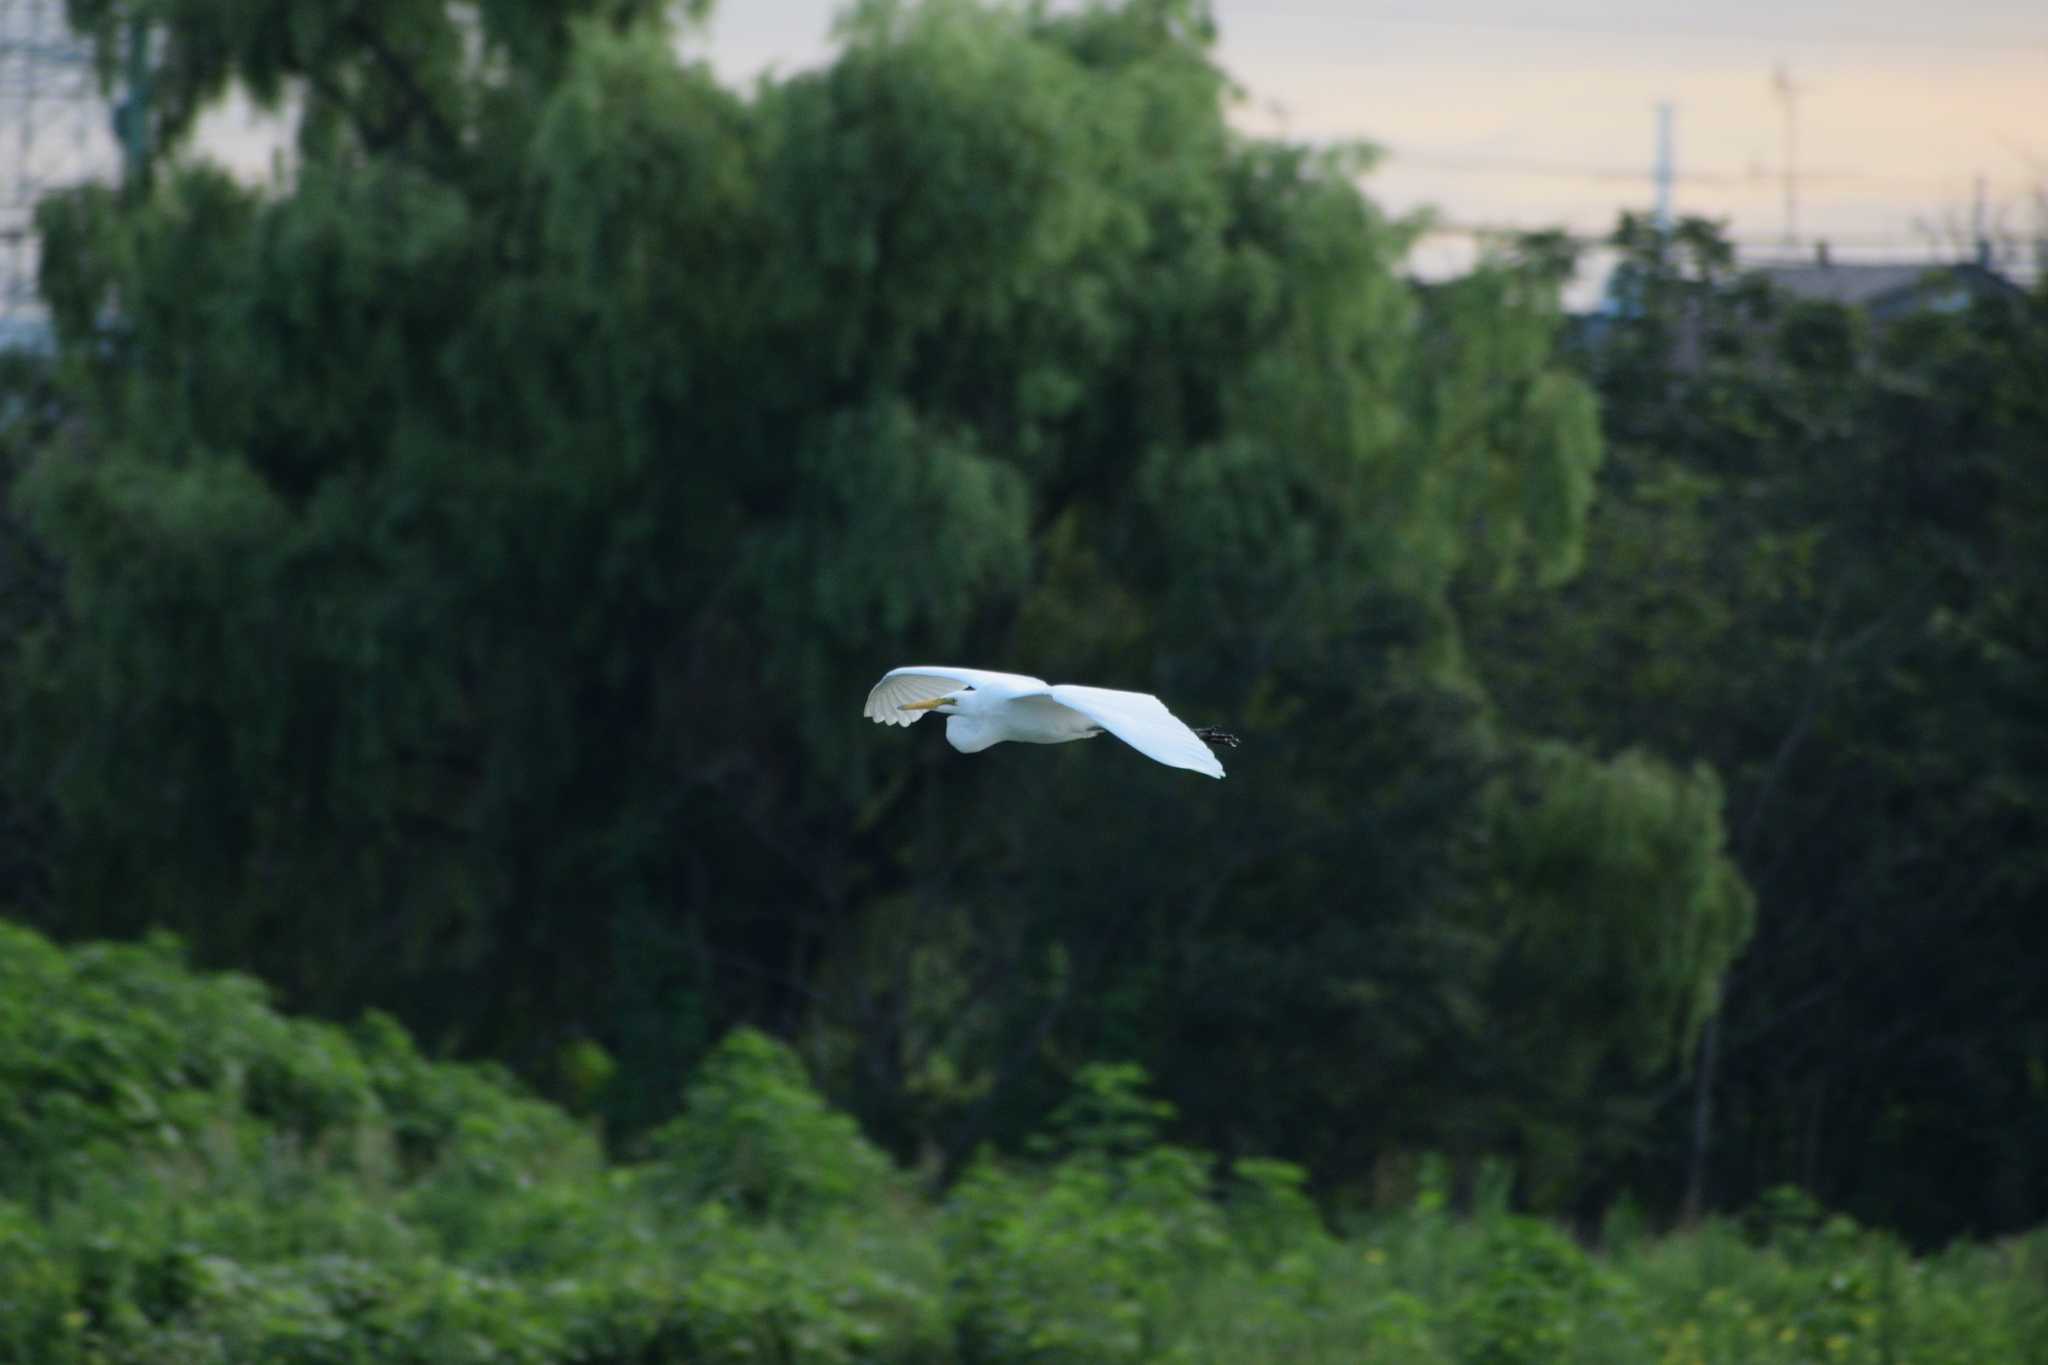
(984, 708)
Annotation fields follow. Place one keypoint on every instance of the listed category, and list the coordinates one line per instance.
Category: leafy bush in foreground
(187, 1176)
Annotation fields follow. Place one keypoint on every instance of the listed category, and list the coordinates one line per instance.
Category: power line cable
(2006, 43)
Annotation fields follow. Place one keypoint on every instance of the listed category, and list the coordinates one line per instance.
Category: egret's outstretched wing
(921, 682)
(1142, 721)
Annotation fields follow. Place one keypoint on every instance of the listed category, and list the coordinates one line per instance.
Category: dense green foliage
(1820, 564)
(443, 582)
(474, 551)
(186, 1176)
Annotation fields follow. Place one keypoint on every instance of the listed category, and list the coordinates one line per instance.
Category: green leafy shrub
(754, 1133)
(192, 1177)
(1528, 1303)
(1085, 1262)
(1077, 1262)
(110, 1050)
(37, 1288)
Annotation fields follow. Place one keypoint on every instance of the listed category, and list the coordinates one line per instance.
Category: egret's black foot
(1210, 735)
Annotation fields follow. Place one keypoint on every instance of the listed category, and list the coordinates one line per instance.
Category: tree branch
(402, 74)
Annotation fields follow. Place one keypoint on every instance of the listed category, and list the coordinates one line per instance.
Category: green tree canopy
(1817, 565)
(474, 551)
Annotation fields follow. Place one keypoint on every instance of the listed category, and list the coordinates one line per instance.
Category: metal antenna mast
(1788, 94)
(1666, 169)
(54, 131)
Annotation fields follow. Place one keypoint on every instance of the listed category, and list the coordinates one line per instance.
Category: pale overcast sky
(1498, 112)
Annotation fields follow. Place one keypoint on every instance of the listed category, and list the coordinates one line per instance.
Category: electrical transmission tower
(55, 130)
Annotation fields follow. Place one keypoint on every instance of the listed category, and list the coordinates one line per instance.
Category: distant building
(1884, 293)
(1887, 293)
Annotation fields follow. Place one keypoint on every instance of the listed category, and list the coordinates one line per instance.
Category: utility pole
(1788, 95)
(1980, 222)
(1666, 171)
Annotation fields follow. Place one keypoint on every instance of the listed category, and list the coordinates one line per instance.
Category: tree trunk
(1702, 1120)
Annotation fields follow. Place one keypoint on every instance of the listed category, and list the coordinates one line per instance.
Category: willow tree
(477, 547)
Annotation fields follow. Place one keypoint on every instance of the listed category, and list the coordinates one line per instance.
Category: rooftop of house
(1886, 288)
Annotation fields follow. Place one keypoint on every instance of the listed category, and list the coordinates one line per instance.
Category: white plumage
(982, 708)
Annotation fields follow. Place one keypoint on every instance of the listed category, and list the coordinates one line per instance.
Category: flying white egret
(984, 708)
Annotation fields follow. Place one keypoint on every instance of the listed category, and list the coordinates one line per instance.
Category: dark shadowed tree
(1817, 565)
